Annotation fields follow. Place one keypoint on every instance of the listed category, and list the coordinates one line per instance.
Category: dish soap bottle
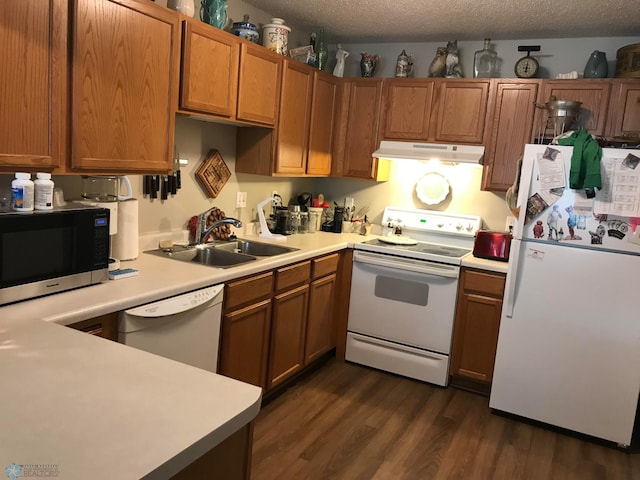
(485, 61)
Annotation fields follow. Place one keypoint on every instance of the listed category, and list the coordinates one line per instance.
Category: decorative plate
(432, 189)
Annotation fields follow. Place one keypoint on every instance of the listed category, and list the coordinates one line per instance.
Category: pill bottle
(43, 191)
(22, 193)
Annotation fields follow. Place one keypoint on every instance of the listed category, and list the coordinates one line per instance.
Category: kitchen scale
(528, 66)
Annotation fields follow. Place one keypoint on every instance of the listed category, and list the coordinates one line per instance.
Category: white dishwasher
(185, 328)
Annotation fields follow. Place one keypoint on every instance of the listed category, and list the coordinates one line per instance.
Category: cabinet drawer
(325, 265)
(292, 276)
(248, 290)
(485, 282)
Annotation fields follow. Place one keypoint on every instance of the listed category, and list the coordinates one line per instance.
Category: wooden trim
(341, 302)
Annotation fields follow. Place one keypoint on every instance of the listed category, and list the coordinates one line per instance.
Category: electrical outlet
(274, 192)
(510, 223)
(241, 199)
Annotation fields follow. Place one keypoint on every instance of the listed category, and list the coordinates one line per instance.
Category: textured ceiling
(378, 21)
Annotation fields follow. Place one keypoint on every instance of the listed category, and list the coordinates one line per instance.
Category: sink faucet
(202, 230)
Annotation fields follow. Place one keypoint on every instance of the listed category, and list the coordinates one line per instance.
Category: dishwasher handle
(416, 266)
(179, 304)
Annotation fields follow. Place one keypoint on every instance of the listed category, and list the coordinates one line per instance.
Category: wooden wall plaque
(213, 174)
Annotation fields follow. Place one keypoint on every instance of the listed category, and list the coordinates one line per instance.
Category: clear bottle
(22, 193)
(323, 53)
(485, 61)
(43, 191)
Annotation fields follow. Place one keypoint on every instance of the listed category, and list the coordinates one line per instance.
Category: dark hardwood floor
(346, 421)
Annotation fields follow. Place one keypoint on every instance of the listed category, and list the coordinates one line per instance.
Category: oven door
(406, 301)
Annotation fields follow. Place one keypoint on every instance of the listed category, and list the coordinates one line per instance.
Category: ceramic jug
(597, 66)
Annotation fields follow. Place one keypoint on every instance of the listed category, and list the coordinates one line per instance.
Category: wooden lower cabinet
(229, 460)
(288, 326)
(320, 321)
(276, 323)
(244, 343)
(475, 334)
(105, 326)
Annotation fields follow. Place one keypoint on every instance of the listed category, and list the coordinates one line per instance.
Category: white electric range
(403, 292)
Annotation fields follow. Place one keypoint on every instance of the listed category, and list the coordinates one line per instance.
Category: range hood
(429, 151)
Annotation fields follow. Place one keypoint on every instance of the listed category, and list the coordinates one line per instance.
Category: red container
(492, 245)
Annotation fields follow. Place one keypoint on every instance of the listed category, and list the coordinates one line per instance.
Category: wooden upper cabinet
(407, 109)
(358, 127)
(124, 84)
(460, 111)
(624, 121)
(258, 85)
(594, 95)
(33, 40)
(511, 128)
(324, 108)
(293, 121)
(209, 77)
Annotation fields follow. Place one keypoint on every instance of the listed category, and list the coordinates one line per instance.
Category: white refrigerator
(569, 344)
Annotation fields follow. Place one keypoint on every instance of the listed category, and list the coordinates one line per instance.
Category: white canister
(22, 193)
(275, 36)
(43, 191)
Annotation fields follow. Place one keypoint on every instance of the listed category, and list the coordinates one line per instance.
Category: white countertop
(483, 264)
(161, 278)
(100, 410)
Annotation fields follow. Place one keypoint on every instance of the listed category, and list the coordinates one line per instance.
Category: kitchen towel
(124, 245)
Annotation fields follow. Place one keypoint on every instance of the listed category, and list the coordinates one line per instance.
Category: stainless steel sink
(258, 249)
(222, 254)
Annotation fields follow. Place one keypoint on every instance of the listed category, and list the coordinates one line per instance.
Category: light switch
(241, 199)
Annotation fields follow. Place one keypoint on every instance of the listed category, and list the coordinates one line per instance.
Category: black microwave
(52, 251)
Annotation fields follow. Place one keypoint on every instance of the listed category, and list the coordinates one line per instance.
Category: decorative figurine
(404, 65)
(453, 61)
(341, 55)
(368, 64)
(439, 63)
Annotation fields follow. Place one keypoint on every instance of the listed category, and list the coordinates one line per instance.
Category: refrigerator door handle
(512, 278)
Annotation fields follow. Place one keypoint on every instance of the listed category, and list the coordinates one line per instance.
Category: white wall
(464, 195)
(556, 55)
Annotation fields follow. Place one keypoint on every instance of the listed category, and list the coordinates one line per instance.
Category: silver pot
(561, 108)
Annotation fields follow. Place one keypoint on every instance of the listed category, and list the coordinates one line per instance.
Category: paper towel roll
(125, 243)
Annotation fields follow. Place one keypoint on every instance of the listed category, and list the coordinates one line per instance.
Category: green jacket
(585, 161)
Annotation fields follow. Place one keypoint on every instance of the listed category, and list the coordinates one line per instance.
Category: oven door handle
(410, 265)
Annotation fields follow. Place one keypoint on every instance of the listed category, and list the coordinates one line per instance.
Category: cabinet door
(461, 108)
(244, 343)
(293, 121)
(258, 84)
(320, 320)
(124, 85)
(209, 80)
(361, 139)
(625, 111)
(105, 326)
(407, 109)
(286, 355)
(475, 334)
(33, 40)
(323, 111)
(594, 95)
(511, 129)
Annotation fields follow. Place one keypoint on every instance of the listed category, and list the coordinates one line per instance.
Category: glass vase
(214, 12)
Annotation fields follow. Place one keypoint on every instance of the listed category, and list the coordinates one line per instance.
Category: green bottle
(323, 53)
